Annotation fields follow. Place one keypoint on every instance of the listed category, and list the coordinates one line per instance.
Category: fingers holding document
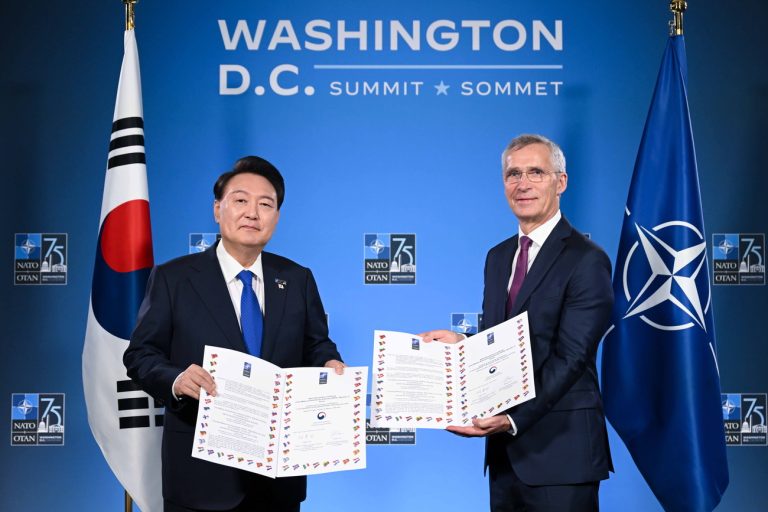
(442, 335)
(483, 427)
(189, 382)
(337, 366)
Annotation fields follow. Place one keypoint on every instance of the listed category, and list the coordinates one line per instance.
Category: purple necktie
(521, 268)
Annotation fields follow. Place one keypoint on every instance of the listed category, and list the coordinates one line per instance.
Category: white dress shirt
(538, 236)
(231, 268)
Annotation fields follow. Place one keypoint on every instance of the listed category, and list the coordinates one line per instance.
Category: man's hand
(441, 335)
(336, 365)
(483, 427)
(189, 382)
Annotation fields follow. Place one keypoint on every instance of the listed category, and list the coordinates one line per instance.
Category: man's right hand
(443, 335)
(191, 380)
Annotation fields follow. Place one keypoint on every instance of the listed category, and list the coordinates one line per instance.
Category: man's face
(533, 203)
(247, 212)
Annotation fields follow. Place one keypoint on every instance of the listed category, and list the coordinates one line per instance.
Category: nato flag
(659, 373)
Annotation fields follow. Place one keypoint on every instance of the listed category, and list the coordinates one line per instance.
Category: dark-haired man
(237, 296)
(548, 454)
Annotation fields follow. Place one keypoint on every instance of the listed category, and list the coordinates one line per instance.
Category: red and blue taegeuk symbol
(123, 262)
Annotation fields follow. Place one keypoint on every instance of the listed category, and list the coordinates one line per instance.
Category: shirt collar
(539, 235)
(230, 266)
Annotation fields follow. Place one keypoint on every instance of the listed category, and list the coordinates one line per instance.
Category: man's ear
(562, 183)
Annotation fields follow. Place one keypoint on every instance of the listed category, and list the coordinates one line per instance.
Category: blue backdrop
(421, 162)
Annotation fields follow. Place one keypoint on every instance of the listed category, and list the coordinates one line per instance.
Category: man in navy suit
(550, 453)
(198, 300)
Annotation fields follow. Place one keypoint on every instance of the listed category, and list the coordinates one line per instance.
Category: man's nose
(524, 182)
(525, 176)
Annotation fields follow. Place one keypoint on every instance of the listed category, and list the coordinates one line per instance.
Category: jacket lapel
(498, 291)
(275, 294)
(548, 253)
(209, 284)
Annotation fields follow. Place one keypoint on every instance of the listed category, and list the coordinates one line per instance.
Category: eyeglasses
(533, 175)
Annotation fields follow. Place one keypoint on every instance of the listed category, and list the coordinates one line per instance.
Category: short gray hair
(556, 156)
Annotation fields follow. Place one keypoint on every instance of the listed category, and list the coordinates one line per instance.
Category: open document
(435, 385)
(280, 422)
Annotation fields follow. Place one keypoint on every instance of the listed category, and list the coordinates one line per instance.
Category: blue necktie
(251, 321)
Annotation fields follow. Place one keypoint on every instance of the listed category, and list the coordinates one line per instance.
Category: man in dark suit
(550, 453)
(205, 299)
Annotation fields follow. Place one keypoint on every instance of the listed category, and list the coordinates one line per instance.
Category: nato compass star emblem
(726, 247)
(25, 406)
(464, 325)
(377, 246)
(28, 246)
(728, 408)
(672, 284)
(202, 245)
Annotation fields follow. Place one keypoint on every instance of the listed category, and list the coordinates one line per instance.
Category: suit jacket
(187, 306)
(561, 435)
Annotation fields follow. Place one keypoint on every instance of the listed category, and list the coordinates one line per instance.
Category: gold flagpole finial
(677, 7)
(129, 13)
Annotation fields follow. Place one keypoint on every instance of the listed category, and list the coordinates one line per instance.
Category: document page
(435, 385)
(281, 422)
(413, 382)
(494, 369)
(323, 421)
(239, 427)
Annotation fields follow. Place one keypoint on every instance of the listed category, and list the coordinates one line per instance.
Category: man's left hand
(483, 427)
(338, 366)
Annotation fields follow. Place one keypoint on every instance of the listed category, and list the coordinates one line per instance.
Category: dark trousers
(510, 494)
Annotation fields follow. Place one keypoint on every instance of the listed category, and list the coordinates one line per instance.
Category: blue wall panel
(425, 164)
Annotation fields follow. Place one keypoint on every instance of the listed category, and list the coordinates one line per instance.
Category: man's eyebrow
(529, 168)
(241, 191)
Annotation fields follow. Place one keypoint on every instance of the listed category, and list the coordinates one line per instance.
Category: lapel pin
(280, 283)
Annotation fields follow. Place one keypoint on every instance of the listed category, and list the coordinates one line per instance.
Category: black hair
(253, 165)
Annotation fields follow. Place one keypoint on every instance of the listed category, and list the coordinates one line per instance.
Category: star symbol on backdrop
(442, 88)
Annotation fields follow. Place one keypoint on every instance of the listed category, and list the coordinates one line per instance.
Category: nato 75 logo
(744, 419)
(377, 435)
(199, 242)
(738, 258)
(37, 419)
(389, 258)
(40, 258)
(466, 323)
